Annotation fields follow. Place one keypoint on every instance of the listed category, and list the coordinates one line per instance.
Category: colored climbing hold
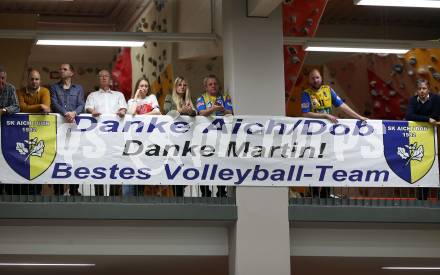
(398, 68)
(305, 31)
(295, 60)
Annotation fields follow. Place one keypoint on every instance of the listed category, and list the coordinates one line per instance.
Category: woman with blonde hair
(180, 99)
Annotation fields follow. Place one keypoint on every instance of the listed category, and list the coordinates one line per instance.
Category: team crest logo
(409, 148)
(29, 143)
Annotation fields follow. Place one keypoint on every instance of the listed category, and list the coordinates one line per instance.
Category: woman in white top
(143, 102)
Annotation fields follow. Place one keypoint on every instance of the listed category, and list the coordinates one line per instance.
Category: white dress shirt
(106, 102)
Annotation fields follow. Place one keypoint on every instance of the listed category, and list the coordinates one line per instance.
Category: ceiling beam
(261, 8)
(115, 36)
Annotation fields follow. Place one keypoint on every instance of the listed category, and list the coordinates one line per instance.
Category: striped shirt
(8, 99)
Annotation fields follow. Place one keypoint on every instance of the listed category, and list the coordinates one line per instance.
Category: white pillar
(254, 76)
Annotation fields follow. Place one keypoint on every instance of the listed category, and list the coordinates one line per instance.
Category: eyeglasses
(104, 75)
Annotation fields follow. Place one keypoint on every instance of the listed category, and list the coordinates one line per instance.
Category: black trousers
(114, 190)
(207, 193)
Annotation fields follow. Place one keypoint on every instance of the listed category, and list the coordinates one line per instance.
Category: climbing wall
(300, 19)
(122, 73)
(379, 86)
(425, 64)
(154, 60)
(194, 70)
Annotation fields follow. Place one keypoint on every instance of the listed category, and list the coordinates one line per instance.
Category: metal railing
(363, 196)
(156, 194)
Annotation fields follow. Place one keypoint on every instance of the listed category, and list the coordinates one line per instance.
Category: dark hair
(422, 81)
(70, 66)
(136, 86)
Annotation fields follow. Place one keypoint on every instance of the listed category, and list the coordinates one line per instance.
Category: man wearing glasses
(105, 101)
(67, 99)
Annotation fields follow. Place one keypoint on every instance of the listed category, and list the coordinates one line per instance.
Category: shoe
(334, 196)
(74, 193)
(221, 194)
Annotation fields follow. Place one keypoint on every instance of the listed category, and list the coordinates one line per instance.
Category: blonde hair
(178, 99)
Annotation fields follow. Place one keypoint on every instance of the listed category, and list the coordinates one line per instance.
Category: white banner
(239, 150)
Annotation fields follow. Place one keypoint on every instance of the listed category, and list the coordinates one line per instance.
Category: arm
(27, 108)
(338, 103)
(306, 109)
(122, 105)
(56, 106)
(132, 105)
(155, 105)
(411, 112)
(188, 109)
(330, 117)
(13, 106)
(209, 111)
(167, 104)
(90, 105)
(203, 111)
(154, 112)
(45, 100)
(80, 101)
(228, 105)
(349, 112)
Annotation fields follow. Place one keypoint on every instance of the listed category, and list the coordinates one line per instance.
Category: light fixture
(380, 46)
(112, 39)
(355, 50)
(400, 3)
(103, 43)
(45, 264)
(358, 46)
(410, 268)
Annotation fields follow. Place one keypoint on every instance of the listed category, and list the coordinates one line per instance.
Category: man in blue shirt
(67, 99)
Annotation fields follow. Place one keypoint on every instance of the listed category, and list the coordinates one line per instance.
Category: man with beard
(67, 99)
(317, 102)
(33, 99)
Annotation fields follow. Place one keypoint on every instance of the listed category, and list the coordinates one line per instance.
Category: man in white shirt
(105, 101)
